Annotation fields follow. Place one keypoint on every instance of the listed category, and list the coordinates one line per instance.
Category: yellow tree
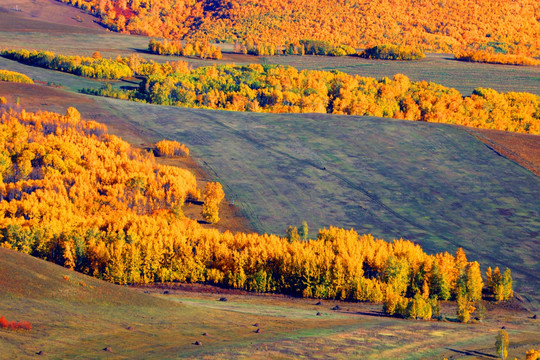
(213, 195)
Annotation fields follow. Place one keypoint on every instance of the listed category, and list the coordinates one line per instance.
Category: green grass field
(76, 317)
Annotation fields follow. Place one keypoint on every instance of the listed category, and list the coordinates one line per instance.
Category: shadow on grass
(473, 353)
(142, 51)
(194, 202)
(373, 313)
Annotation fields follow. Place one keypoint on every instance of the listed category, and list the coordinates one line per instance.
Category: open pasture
(74, 316)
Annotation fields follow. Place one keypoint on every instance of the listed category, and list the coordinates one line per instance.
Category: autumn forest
(308, 178)
(447, 26)
(84, 199)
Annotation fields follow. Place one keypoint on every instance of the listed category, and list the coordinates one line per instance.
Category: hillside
(435, 26)
(73, 192)
(434, 184)
(77, 196)
(76, 316)
(334, 179)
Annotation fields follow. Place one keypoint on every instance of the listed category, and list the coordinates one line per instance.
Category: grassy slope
(70, 320)
(75, 321)
(434, 184)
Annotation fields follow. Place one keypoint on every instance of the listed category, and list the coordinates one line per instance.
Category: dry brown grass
(46, 15)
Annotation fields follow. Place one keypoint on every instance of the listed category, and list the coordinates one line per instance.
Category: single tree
(292, 234)
(507, 284)
(303, 231)
(213, 194)
(502, 344)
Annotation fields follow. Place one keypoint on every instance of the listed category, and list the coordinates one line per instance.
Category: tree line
(203, 50)
(75, 195)
(442, 26)
(490, 57)
(301, 47)
(323, 47)
(284, 89)
(92, 67)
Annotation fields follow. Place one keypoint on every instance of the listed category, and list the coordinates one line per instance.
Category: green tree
(292, 234)
(303, 231)
(507, 284)
(501, 344)
(481, 310)
(439, 283)
(464, 309)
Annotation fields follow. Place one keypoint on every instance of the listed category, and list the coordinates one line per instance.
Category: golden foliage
(490, 57)
(12, 76)
(392, 52)
(437, 26)
(532, 355)
(202, 50)
(93, 67)
(283, 89)
(213, 195)
(73, 194)
(171, 148)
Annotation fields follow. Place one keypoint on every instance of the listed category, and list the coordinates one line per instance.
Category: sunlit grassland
(74, 317)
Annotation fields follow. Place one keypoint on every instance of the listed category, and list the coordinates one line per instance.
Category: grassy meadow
(434, 184)
(74, 316)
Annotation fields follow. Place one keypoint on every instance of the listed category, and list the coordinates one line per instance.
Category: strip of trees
(203, 50)
(92, 67)
(491, 57)
(12, 76)
(284, 89)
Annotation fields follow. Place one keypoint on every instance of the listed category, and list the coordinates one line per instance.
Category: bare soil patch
(523, 149)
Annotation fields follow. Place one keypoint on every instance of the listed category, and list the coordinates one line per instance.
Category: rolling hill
(434, 184)
(437, 185)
